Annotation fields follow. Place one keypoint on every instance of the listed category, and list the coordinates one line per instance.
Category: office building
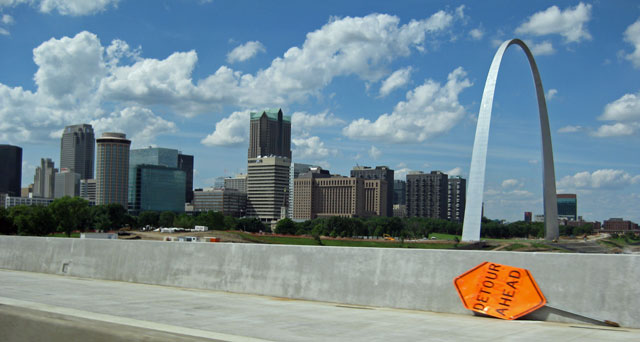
(155, 181)
(112, 169)
(14, 201)
(456, 198)
(383, 173)
(157, 188)
(268, 165)
(44, 179)
(528, 216)
(427, 195)
(268, 188)
(10, 169)
(77, 148)
(399, 192)
(27, 192)
(239, 182)
(230, 202)
(270, 134)
(318, 194)
(567, 207)
(88, 190)
(185, 163)
(67, 184)
(295, 171)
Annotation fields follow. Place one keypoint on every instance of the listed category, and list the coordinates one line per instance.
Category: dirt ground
(222, 235)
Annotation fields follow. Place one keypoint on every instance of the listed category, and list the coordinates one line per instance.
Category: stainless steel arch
(473, 209)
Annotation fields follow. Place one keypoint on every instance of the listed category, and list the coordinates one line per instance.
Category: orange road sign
(497, 290)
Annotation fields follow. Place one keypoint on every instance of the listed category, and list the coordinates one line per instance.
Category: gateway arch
(473, 209)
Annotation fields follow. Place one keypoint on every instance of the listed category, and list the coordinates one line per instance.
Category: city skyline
(336, 69)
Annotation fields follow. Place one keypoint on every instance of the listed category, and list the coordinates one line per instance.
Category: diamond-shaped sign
(501, 291)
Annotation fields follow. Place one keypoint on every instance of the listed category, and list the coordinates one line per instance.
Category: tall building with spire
(112, 170)
(77, 147)
(268, 165)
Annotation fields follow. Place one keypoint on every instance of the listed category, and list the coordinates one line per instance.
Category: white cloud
(374, 153)
(569, 23)
(510, 183)
(310, 148)
(4, 32)
(456, 171)
(615, 130)
(396, 80)
(570, 129)
(600, 179)
(626, 108)
(401, 173)
(65, 7)
(626, 111)
(551, 93)
(476, 33)
(7, 19)
(141, 125)
(230, 131)
(632, 36)
(541, 49)
(429, 110)
(302, 122)
(245, 52)
(76, 76)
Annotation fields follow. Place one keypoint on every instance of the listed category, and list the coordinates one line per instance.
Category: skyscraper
(380, 172)
(399, 192)
(67, 184)
(457, 196)
(185, 163)
(427, 194)
(155, 181)
(44, 179)
(270, 134)
(112, 170)
(268, 165)
(77, 150)
(10, 170)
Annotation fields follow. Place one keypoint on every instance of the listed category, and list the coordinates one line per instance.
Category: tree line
(69, 214)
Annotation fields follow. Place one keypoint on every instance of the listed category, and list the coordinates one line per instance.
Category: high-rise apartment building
(155, 181)
(427, 194)
(112, 169)
(44, 179)
(10, 170)
(268, 165)
(185, 163)
(383, 173)
(77, 148)
(270, 134)
(88, 190)
(318, 194)
(457, 198)
(567, 206)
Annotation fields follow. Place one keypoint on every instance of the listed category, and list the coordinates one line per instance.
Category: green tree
(212, 219)
(32, 220)
(166, 219)
(286, 226)
(184, 221)
(252, 225)
(6, 223)
(148, 218)
(70, 213)
(230, 222)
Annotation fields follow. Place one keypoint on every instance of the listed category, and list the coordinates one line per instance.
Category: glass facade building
(158, 188)
(567, 206)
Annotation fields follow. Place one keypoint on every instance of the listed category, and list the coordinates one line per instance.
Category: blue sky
(367, 83)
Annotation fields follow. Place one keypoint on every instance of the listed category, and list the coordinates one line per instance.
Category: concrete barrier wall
(593, 285)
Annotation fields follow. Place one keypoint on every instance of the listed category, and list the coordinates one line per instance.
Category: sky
(395, 83)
